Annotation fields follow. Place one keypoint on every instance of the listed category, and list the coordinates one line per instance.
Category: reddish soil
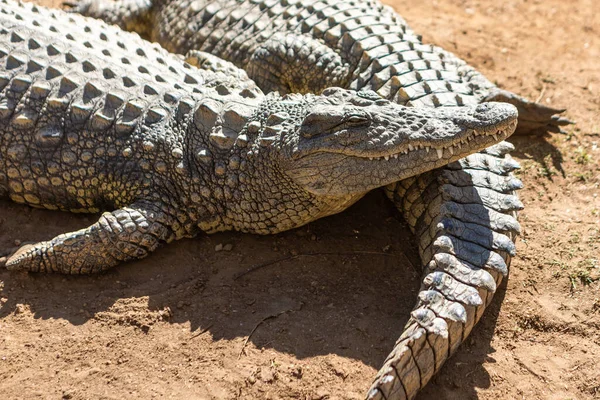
(185, 324)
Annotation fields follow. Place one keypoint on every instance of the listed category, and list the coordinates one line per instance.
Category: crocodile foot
(534, 118)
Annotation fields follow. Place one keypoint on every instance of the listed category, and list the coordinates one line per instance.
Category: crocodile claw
(11, 254)
(77, 6)
(5, 255)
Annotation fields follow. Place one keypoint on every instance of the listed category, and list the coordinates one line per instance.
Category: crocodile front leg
(534, 118)
(208, 62)
(131, 15)
(290, 63)
(129, 233)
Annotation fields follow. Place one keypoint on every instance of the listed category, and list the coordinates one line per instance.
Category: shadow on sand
(343, 285)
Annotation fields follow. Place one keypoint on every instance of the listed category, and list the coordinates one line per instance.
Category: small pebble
(228, 247)
(219, 247)
(268, 376)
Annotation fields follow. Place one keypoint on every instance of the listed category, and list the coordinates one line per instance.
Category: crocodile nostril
(482, 108)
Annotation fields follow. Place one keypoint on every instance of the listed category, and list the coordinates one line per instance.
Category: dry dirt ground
(185, 324)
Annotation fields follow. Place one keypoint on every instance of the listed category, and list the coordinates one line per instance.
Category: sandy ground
(186, 323)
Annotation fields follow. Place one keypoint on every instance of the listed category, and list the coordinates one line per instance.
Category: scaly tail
(464, 217)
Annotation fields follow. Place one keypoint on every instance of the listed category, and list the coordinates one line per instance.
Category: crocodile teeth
(451, 150)
(386, 158)
(396, 156)
(371, 158)
(440, 153)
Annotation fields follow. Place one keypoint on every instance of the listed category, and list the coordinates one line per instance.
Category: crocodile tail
(460, 275)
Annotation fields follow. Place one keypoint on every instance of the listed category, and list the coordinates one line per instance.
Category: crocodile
(463, 215)
(94, 119)
(298, 46)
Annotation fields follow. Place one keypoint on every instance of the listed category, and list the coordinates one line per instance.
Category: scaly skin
(96, 119)
(466, 210)
(300, 46)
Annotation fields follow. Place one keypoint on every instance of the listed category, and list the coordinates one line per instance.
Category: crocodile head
(346, 142)
(297, 158)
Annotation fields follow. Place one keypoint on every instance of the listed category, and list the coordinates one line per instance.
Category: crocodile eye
(357, 120)
(369, 95)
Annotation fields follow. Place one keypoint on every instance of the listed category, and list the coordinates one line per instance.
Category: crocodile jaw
(340, 168)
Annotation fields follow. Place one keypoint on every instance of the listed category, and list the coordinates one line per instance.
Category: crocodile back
(80, 102)
(382, 53)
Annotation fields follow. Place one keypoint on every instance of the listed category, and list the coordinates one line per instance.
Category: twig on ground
(272, 316)
(532, 372)
(319, 253)
(541, 94)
